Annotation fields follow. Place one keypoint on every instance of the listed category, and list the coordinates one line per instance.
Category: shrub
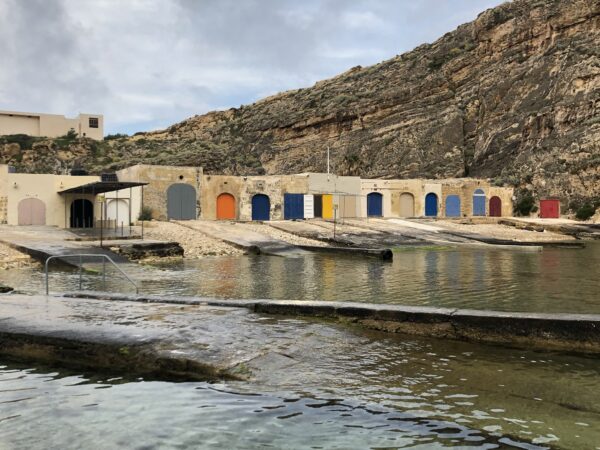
(67, 139)
(109, 137)
(525, 203)
(145, 213)
(585, 212)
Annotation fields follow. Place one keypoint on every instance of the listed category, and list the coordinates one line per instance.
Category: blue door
(374, 204)
(453, 206)
(479, 202)
(431, 205)
(293, 206)
(261, 207)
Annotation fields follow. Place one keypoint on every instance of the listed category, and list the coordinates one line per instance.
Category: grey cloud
(151, 63)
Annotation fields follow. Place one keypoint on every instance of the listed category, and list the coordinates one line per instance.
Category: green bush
(585, 212)
(525, 203)
(25, 141)
(109, 137)
(145, 213)
(67, 139)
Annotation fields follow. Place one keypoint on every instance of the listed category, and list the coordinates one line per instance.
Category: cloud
(149, 63)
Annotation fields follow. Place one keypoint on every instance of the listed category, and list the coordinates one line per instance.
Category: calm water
(555, 280)
(389, 392)
(386, 392)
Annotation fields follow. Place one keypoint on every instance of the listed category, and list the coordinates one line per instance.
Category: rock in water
(4, 289)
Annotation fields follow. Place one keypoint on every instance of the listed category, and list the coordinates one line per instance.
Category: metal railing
(80, 265)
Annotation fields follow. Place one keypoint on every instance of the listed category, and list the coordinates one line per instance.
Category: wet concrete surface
(348, 234)
(568, 332)
(42, 242)
(251, 241)
(190, 341)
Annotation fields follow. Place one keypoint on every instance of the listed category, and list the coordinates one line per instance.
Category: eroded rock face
(513, 95)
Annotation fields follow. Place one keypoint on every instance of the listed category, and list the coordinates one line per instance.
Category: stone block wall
(160, 178)
(244, 188)
(3, 209)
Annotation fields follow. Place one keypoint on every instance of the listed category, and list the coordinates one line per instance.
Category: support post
(130, 197)
(116, 212)
(101, 222)
(80, 270)
(142, 211)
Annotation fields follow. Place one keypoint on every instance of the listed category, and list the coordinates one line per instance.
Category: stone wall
(244, 188)
(159, 179)
(3, 209)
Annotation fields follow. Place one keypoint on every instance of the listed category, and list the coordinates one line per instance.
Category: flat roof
(100, 187)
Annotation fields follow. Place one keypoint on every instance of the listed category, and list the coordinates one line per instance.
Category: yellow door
(327, 206)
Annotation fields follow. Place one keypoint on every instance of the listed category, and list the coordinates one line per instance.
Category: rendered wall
(49, 125)
(45, 187)
(19, 125)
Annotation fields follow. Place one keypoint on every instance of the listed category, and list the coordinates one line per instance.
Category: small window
(93, 122)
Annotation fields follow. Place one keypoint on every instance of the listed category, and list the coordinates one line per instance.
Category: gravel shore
(281, 235)
(195, 243)
(11, 258)
(502, 232)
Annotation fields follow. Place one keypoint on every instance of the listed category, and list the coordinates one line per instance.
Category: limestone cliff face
(514, 96)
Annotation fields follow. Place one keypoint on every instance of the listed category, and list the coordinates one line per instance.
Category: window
(93, 122)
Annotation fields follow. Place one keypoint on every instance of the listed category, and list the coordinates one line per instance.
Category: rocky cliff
(513, 96)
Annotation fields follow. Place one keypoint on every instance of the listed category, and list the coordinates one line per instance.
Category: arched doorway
(118, 210)
(407, 205)
(431, 205)
(495, 206)
(226, 207)
(479, 202)
(453, 206)
(261, 207)
(82, 213)
(181, 202)
(32, 211)
(374, 204)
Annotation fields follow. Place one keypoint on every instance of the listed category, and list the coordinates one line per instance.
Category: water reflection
(555, 280)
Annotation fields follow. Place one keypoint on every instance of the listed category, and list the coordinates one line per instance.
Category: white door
(309, 206)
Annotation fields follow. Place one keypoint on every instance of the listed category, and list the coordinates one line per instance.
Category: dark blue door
(479, 202)
(453, 206)
(431, 205)
(293, 206)
(261, 207)
(375, 204)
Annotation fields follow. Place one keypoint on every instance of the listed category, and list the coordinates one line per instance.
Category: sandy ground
(10, 258)
(195, 244)
(502, 232)
(281, 235)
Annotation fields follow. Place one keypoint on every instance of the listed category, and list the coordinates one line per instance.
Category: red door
(495, 207)
(549, 209)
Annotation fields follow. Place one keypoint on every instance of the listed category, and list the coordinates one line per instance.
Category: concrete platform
(250, 241)
(567, 332)
(42, 242)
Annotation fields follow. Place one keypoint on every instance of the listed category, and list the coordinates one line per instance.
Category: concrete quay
(579, 333)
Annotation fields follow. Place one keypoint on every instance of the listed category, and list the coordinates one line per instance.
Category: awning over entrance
(101, 187)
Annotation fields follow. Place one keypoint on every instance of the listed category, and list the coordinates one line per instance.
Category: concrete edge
(579, 333)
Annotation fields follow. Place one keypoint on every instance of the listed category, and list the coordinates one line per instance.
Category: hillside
(513, 96)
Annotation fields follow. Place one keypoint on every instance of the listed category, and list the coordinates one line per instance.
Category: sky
(146, 64)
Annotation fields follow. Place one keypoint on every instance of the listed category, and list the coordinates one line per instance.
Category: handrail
(88, 255)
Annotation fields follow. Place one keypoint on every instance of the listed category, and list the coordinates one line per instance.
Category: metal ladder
(80, 265)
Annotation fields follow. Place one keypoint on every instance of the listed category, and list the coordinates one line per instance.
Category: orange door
(225, 207)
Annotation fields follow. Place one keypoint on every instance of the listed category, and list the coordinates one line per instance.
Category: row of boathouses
(184, 193)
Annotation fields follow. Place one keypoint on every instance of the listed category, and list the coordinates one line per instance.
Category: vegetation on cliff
(512, 96)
